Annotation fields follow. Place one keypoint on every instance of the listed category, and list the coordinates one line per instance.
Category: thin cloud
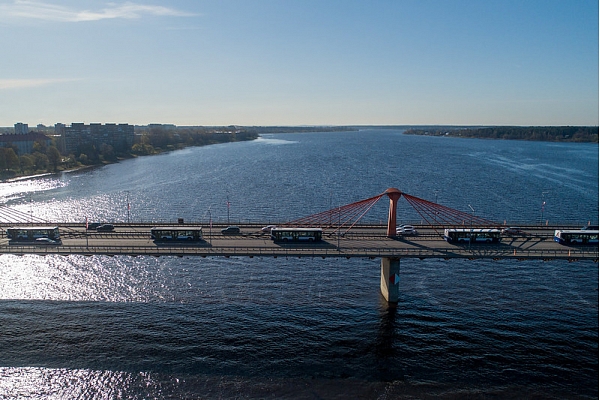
(27, 9)
(29, 83)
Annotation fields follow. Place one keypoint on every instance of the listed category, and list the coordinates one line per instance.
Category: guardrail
(571, 254)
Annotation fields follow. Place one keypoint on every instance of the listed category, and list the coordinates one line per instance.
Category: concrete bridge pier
(390, 278)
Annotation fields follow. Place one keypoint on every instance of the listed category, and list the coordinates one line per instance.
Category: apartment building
(73, 137)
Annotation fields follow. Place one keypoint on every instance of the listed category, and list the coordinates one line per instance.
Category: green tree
(2, 158)
(142, 149)
(40, 146)
(40, 161)
(83, 158)
(27, 162)
(107, 152)
(8, 159)
(54, 157)
(71, 161)
(12, 160)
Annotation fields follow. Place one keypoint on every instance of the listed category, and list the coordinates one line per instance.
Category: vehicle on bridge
(268, 228)
(231, 230)
(32, 233)
(467, 235)
(513, 231)
(309, 235)
(176, 233)
(406, 230)
(90, 226)
(45, 240)
(105, 228)
(583, 236)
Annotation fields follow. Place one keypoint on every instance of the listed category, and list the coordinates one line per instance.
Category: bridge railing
(206, 251)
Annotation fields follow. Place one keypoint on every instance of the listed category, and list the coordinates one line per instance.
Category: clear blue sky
(299, 62)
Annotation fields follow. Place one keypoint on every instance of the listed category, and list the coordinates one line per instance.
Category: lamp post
(435, 191)
(543, 205)
(471, 236)
(339, 226)
(128, 207)
(228, 205)
(209, 226)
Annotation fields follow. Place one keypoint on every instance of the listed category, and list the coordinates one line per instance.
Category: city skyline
(217, 63)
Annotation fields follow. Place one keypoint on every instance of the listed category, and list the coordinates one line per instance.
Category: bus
(32, 233)
(296, 234)
(176, 233)
(578, 236)
(466, 235)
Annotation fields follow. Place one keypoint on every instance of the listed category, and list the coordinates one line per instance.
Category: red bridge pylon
(394, 195)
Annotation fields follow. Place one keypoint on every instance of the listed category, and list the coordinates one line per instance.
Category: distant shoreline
(570, 134)
(576, 134)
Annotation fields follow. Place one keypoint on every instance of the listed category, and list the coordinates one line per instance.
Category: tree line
(153, 140)
(536, 133)
(44, 158)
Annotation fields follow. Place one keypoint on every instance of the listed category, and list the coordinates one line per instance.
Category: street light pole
(471, 236)
(209, 226)
(543, 205)
(228, 205)
(339, 226)
(128, 207)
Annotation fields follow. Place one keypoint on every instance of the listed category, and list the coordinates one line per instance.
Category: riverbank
(23, 177)
(148, 145)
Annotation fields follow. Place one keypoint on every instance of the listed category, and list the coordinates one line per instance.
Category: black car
(93, 225)
(231, 230)
(105, 228)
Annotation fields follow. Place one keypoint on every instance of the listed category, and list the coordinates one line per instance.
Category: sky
(300, 62)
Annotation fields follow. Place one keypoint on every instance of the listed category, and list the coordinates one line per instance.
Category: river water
(143, 327)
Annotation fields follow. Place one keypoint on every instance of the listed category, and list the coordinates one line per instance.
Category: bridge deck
(366, 241)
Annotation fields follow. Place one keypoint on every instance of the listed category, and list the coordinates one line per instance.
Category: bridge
(344, 236)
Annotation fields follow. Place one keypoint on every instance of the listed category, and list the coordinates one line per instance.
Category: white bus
(176, 233)
(467, 235)
(32, 233)
(297, 234)
(576, 236)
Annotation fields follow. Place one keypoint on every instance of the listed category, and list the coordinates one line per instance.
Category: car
(406, 230)
(93, 225)
(230, 230)
(45, 240)
(105, 228)
(513, 231)
(268, 228)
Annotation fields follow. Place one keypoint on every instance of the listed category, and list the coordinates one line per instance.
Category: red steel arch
(345, 217)
(338, 218)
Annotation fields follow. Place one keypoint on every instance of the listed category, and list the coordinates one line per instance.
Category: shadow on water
(385, 342)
